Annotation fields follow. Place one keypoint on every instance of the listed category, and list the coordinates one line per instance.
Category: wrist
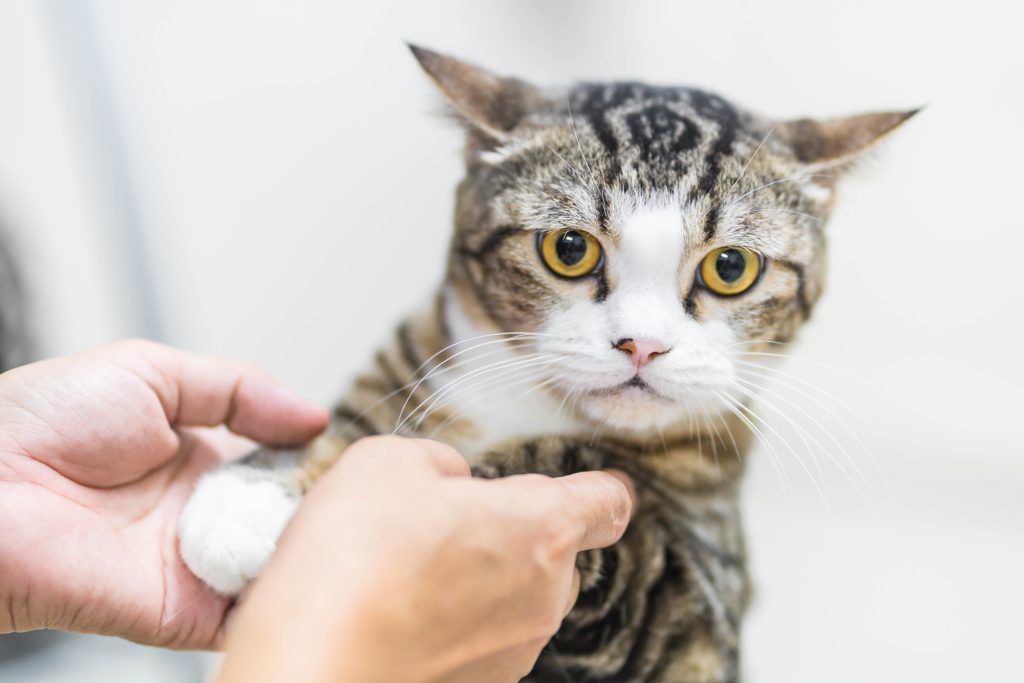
(287, 635)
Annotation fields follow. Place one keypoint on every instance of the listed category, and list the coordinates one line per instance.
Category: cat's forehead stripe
(670, 128)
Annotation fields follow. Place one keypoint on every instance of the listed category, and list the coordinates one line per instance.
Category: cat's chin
(631, 409)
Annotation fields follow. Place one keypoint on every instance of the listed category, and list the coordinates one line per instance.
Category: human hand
(400, 568)
(98, 454)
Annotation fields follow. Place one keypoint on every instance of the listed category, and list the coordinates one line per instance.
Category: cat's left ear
(837, 143)
(490, 105)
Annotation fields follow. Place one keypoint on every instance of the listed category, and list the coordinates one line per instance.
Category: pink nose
(642, 351)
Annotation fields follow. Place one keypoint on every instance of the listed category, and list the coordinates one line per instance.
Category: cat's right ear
(837, 143)
(491, 106)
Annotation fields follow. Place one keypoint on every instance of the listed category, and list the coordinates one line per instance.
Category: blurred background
(269, 181)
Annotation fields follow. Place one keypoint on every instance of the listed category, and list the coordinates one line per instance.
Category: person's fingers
(200, 391)
(627, 481)
(574, 592)
(511, 664)
(396, 451)
(601, 503)
(445, 459)
(269, 413)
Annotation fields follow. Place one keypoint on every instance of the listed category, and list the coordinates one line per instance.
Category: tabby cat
(621, 252)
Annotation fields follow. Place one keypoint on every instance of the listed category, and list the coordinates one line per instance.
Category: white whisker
(833, 414)
(761, 209)
(519, 336)
(440, 393)
(785, 442)
(816, 423)
(568, 104)
(750, 160)
(773, 456)
(776, 182)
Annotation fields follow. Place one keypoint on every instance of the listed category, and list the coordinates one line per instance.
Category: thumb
(602, 502)
(197, 390)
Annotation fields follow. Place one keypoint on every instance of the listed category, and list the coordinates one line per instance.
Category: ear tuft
(492, 104)
(837, 141)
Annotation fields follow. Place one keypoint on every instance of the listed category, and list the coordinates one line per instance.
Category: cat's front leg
(229, 528)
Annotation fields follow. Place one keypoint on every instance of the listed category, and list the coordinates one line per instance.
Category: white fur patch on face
(647, 267)
(646, 302)
(229, 528)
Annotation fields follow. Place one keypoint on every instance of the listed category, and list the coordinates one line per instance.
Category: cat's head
(649, 239)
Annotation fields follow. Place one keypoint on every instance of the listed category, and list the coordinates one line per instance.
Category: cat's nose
(641, 350)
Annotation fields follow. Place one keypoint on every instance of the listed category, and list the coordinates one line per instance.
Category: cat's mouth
(635, 384)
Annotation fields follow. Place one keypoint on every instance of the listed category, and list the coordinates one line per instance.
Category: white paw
(229, 528)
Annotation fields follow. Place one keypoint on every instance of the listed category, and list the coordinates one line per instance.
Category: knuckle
(376, 446)
(528, 659)
(254, 371)
(549, 625)
(541, 499)
(559, 539)
(377, 441)
(136, 345)
(540, 489)
(441, 452)
(537, 645)
(521, 662)
(534, 479)
(402, 454)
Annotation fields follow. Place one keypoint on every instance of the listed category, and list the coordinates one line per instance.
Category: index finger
(602, 502)
(391, 452)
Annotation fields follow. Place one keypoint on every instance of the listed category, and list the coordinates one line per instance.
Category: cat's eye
(570, 253)
(730, 270)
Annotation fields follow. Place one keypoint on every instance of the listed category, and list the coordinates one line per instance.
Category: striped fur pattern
(519, 370)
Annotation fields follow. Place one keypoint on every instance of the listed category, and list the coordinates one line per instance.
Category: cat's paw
(229, 528)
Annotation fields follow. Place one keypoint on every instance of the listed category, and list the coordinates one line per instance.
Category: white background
(269, 181)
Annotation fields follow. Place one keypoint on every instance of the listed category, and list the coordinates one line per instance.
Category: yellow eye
(730, 270)
(570, 253)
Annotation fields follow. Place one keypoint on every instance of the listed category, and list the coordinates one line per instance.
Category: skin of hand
(400, 568)
(98, 455)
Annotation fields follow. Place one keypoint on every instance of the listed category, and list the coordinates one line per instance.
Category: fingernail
(627, 481)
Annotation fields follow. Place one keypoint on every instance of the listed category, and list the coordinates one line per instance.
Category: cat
(621, 254)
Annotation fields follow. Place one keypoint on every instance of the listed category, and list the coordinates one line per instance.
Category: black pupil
(571, 247)
(730, 265)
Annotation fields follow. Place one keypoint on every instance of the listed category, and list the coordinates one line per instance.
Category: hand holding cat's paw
(229, 528)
